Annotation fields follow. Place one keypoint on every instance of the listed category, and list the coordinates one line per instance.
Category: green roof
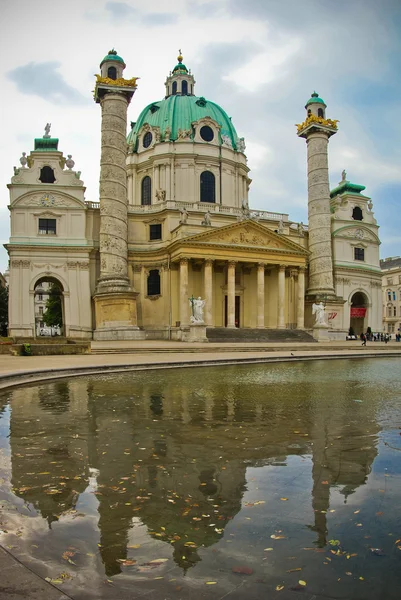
(346, 187)
(179, 112)
(315, 98)
(180, 67)
(112, 55)
(46, 144)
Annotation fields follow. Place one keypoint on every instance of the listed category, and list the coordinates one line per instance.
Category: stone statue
(301, 231)
(184, 216)
(47, 130)
(344, 175)
(167, 134)
(197, 305)
(161, 195)
(206, 219)
(225, 140)
(183, 134)
(280, 227)
(318, 310)
(241, 145)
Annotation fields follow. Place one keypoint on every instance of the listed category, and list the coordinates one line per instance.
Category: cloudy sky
(259, 59)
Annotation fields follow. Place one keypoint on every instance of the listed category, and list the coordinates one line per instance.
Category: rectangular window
(47, 226)
(394, 296)
(389, 296)
(41, 310)
(155, 232)
(40, 297)
(395, 311)
(359, 253)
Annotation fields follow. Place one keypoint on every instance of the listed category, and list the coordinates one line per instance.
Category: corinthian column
(301, 299)
(184, 300)
(281, 297)
(260, 318)
(231, 294)
(208, 291)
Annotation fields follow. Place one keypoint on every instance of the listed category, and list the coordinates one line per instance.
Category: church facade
(173, 222)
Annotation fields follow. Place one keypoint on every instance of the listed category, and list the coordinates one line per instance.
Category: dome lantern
(112, 66)
(316, 106)
(180, 81)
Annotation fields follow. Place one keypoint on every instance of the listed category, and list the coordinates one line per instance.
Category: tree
(53, 314)
(3, 311)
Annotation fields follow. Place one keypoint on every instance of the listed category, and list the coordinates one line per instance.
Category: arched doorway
(49, 307)
(359, 312)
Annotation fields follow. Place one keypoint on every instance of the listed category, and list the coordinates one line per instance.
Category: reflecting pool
(251, 482)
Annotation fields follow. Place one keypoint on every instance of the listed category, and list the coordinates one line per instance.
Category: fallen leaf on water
(267, 549)
(134, 546)
(210, 582)
(302, 582)
(283, 499)
(277, 537)
(362, 578)
(334, 542)
(126, 562)
(279, 588)
(158, 560)
(293, 570)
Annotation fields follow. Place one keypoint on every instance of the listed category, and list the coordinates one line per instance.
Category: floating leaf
(302, 582)
(277, 537)
(158, 560)
(279, 588)
(293, 570)
(283, 499)
(267, 549)
(334, 542)
(210, 582)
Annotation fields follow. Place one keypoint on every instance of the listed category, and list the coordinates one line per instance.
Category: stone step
(226, 335)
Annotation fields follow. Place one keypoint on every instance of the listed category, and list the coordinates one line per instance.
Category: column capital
(232, 263)
(209, 261)
(282, 267)
(184, 261)
(294, 272)
(302, 269)
(261, 265)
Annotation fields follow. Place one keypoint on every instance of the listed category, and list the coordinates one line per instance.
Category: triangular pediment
(245, 234)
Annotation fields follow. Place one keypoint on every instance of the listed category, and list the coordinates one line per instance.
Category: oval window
(206, 133)
(147, 139)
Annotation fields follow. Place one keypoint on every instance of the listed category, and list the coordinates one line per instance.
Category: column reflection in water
(171, 450)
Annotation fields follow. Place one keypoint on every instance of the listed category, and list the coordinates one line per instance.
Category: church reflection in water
(173, 455)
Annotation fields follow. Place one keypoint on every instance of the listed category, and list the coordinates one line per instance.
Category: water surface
(228, 482)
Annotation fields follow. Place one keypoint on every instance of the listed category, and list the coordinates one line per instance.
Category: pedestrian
(363, 338)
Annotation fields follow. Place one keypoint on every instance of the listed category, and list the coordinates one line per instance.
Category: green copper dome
(180, 67)
(179, 112)
(315, 98)
(112, 55)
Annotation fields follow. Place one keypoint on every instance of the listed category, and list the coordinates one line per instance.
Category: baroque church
(173, 222)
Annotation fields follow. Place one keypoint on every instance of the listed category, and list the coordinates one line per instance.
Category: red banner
(358, 312)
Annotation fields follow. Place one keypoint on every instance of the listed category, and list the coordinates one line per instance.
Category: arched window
(47, 175)
(174, 88)
(357, 214)
(154, 283)
(207, 187)
(184, 88)
(112, 73)
(320, 113)
(309, 112)
(146, 191)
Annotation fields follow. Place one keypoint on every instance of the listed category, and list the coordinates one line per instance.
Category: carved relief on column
(260, 317)
(113, 189)
(321, 263)
(208, 291)
(231, 293)
(184, 299)
(281, 297)
(301, 298)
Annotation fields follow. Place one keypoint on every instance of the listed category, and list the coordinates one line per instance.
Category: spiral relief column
(115, 300)
(317, 130)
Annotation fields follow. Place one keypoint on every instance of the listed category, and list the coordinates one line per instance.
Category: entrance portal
(49, 308)
(358, 313)
(237, 311)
